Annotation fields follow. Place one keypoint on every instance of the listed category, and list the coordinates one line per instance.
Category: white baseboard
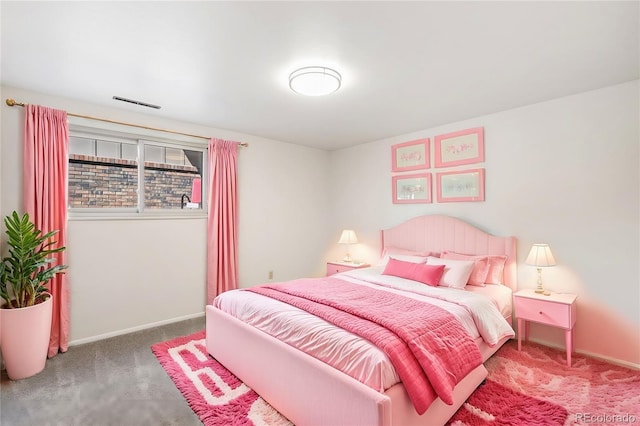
(133, 329)
(589, 354)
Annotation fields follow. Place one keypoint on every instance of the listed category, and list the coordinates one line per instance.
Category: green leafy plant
(25, 272)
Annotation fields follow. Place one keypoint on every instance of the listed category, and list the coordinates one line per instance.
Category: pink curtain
(46, 146)
(222, 226)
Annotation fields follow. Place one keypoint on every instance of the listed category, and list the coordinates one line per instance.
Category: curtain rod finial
(12, 102)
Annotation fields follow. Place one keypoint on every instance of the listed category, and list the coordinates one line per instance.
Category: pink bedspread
(429, 348)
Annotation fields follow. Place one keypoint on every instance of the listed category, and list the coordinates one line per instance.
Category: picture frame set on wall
(450, 150)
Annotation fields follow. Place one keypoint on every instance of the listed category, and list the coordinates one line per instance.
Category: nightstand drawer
(332, 268)
(556, 314)
(336, 267)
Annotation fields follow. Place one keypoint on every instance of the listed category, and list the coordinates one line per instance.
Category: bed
(311, 392)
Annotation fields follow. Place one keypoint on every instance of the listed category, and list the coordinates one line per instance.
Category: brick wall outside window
(99, 182)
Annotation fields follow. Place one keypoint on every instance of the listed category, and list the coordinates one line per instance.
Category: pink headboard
(437, 233)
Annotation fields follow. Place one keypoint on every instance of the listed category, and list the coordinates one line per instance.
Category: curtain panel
(46, 146)
(222, 222)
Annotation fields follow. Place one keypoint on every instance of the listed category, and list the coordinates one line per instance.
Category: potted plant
(26, 306)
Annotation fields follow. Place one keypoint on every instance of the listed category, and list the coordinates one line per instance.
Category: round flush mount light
(315, 81)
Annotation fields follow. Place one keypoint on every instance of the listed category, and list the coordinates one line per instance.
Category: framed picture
(458, 148)
(408, 156)
(460, 185)
(414, 188)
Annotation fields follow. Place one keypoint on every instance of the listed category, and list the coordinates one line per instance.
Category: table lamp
(348, 237)
(540, 256)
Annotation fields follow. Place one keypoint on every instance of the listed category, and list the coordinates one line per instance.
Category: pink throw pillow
(496, 265)
(480, 267)
(496, 269)
(421, 272)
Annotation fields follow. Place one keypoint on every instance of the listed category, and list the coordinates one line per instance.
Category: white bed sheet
(346, 351)
(501, 295)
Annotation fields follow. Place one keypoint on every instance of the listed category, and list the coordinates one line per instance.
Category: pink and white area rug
(532, 387)
(213, 393)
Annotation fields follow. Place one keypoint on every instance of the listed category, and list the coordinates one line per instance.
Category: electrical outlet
(270, 275)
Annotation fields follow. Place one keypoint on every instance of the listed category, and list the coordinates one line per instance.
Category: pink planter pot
(24, 333)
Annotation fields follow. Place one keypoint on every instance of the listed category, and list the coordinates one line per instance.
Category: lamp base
(539, 288)
(347, 259)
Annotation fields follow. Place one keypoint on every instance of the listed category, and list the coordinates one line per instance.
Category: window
(115, 172)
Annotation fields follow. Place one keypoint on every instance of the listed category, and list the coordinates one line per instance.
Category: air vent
(131, 101)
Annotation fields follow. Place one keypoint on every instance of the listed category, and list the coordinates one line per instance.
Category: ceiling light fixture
(315, 81)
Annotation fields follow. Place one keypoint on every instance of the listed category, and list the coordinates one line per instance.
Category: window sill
(135, 216)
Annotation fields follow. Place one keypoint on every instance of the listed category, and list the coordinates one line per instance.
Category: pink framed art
(412, 155)
(458, 148)
(409, 189)
(460, 185)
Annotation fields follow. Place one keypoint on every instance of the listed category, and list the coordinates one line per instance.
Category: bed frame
(310, 392)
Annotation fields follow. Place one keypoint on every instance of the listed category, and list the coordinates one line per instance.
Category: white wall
(129, 274)
(564, 172)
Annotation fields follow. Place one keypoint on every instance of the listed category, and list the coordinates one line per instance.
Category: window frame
(111, 132)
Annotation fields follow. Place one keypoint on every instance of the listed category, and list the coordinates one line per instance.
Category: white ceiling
(406, 66)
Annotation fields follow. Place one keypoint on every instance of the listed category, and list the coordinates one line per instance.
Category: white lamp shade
(348, 237)
(315, 81)
(540, 255)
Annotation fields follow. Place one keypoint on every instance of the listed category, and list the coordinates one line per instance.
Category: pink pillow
(421, 272)
(456, 272)
(480, 267)
(496, 269)
(496, 265)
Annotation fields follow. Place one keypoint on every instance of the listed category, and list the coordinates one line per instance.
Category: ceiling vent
(131, 101)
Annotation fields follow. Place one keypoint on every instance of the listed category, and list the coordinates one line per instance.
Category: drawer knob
(540, 312)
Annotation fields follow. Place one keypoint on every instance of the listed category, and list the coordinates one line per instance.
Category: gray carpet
(116, 381)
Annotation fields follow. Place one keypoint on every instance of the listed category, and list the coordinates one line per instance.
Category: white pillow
(456, 272)
(404, 258)
(403, 255)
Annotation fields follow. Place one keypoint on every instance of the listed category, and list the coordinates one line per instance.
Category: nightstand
(337, 266)
(556, 309)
